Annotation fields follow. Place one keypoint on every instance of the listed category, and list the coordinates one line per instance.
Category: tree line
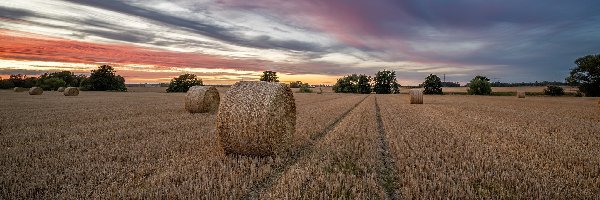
(585, 76)
(101, 79)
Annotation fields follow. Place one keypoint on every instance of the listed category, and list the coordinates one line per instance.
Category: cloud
(514, 40)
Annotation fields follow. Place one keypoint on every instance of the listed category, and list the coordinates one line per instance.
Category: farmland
(143, 144)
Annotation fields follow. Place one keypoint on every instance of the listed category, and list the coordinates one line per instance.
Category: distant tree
(67, 77)
(296, 84)
(586, 75)
(450, 84)
(364, 84)
(183, 83)
(385, 82)
(353, 84)
(346, 84)
(103, 79)
(269, 76)
(554, 90)
(305, 88)
(480, 85)
(6, 84)
(432, 85)
(52, 83)
(20, 80)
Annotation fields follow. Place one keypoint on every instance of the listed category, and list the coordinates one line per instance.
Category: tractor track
(278, 171)
(387, 173)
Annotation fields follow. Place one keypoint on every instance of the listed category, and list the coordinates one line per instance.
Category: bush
(295, 84)
(353, 84)
(304, 88)
(52, 83)
(183, 83)
(480, 85)
(554, 90)
(586, 75)
(385, 82)
(269, 76)
(103, 79)
(432, 85)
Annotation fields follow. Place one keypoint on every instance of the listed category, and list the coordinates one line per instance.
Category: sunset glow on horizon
(225, 41)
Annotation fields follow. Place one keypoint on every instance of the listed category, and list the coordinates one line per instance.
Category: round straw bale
(521, 94)
(71, 91)
(256, 118)
(61, 89)
(416, 96)
(201, 99)
(20, 89)
(36, 91)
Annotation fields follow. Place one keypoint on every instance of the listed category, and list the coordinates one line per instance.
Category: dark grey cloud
(204, 28)
(12, 13)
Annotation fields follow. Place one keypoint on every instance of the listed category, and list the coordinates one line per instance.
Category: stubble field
(145, 145)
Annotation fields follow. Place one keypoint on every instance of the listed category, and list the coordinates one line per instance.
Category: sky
(314, 41)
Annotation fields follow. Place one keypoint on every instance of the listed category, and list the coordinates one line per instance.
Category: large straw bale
(521, 94)
(36, 91)
(416, 96)
(256, 118)
(201, 99)
(20, 89)
(61, 89)
(71, 91)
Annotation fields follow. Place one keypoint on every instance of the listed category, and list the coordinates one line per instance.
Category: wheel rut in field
(387, 173)
(322, 101)
(279, 170)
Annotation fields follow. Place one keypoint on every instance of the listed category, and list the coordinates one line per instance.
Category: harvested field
(529, 89)
(146, 145)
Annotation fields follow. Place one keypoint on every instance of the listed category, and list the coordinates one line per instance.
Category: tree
(66, 77)
(183, 83)
(353, 84)
(432, 85)
(269, 76)
(296, 84)
(6, 84)
(364, 84)
(102, 79)
(305, 88)
(554, 90)
(52, 83)
(385, 82)
(480, 85)
(586, 75)
(346, 84)
(20, 80)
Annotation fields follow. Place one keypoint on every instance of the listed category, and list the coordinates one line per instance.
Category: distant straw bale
(521, 94)
(36, 91)
(71, 91)
(256, 118)
(201, 99)
(20, 89)
(61, 89)
(416, 96)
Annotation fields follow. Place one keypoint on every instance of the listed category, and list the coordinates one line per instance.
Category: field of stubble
(145, 145)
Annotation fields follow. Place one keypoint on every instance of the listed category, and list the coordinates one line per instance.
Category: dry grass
(145, 145)
(530, 89)
(500, 147)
